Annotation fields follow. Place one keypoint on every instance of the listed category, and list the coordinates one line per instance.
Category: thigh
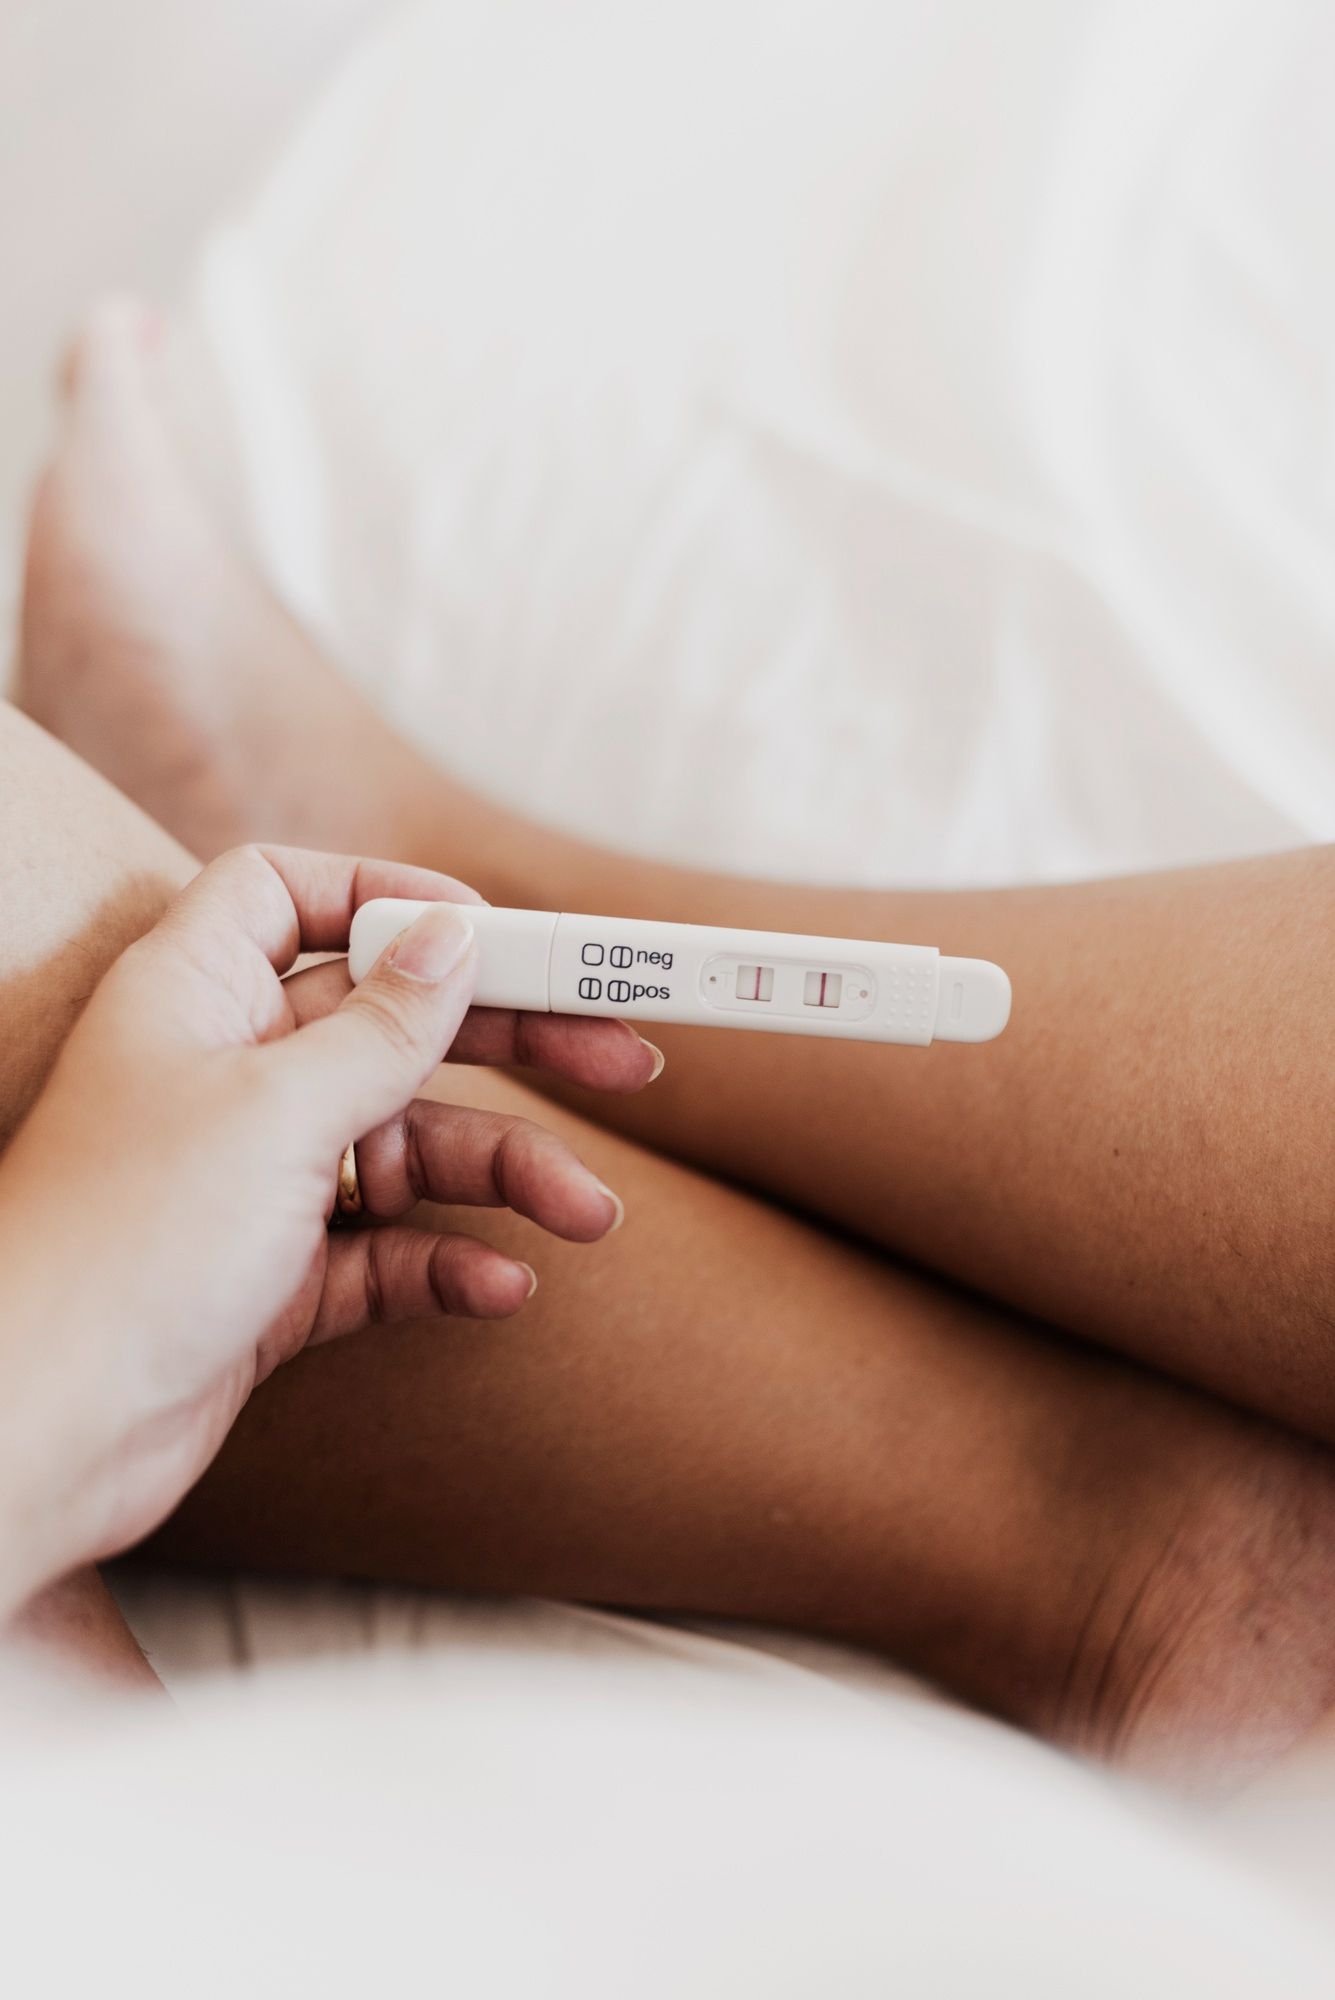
(82, 873)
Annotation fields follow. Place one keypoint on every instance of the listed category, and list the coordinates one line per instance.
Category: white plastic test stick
(852, 989)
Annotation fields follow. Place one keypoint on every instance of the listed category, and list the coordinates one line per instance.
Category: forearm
(46, 1432)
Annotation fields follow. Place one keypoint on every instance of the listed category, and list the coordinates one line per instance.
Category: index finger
(600, 1054)
(288, 900)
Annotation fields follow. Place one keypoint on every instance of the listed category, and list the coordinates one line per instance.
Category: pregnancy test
(854, 989)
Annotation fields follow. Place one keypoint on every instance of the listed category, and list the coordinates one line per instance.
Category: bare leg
(130, 587)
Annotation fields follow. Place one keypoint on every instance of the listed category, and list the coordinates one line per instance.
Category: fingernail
(617, 1203)
(659, 1059)
(532, 1278)
(432, 946)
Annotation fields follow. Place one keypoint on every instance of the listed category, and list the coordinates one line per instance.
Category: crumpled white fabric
(643, 1828)
(825, 438)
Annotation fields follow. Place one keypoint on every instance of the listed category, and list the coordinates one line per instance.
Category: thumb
(362, 1063)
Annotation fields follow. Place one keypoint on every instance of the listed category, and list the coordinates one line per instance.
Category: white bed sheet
(613, 1823)
(820, 437)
